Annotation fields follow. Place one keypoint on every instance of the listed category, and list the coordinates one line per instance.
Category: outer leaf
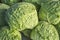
(58, 28)
(27, 32)
(3, 8)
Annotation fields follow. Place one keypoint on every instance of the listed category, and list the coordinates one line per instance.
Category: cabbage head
(22, 16)
(44, 31)
(50, 12)
(7, 34)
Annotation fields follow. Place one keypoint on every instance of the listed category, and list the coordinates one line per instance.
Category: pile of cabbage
(29, 19)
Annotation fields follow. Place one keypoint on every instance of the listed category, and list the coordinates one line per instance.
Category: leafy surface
(10, 2)
(50, 12)
(44, 31)
(22, 16)
(6, 34)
